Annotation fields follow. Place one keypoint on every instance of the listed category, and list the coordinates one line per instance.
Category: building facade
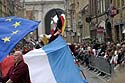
(98, 13)
(118, 20)
(98, 19)
(78, 11)
(6, 8)
(11, 8)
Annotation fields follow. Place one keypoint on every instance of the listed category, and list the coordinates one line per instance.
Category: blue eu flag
(12, 30)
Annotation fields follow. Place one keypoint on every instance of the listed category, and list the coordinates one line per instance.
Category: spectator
(18, 73)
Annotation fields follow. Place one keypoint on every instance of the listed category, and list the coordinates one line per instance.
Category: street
(92, 77)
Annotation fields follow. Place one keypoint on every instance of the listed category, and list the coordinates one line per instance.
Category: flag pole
(80, 68)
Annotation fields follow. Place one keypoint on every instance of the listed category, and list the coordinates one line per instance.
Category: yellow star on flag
(16, 24)
(15, 32)
(9, 19)
(6, 39)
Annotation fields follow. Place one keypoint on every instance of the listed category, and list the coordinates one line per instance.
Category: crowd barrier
(101, 64)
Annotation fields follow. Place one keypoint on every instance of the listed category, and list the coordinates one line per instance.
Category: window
(118, 3)
(104, 9)
(114, 3)
(123, 2)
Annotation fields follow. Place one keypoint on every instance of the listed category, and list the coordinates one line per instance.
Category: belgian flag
(60, 27)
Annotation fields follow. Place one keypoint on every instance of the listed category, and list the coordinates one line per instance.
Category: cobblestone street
(92, 77)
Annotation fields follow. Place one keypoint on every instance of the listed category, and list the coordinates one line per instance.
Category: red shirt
(18, 74)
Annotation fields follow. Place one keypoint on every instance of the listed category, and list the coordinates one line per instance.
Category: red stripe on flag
(62, 20)
(6, 64)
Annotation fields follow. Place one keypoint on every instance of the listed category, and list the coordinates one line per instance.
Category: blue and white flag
(53, 64)
(12, 30)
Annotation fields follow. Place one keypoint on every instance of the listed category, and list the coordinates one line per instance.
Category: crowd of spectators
(27, 45)
(113, 53)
